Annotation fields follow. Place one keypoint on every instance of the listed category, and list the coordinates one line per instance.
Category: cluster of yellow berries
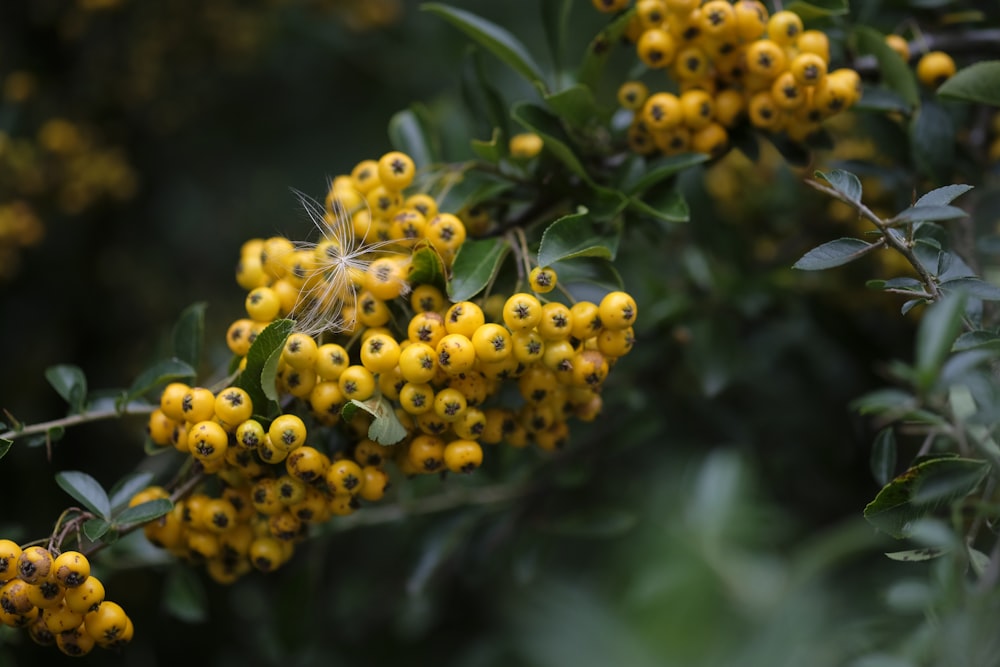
(58, 601)
(727, 61)
(370, 331)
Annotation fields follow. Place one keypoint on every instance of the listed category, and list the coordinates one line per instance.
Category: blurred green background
(712, 517)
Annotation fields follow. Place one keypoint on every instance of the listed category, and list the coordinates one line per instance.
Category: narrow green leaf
(817, 9)
(157, 375)
(599, 50)
(665, 204)
(555, 21)
(844, 182)
(427, 268)
(475, 265)
(884, 400)
(916, 555)
(933, 141)
(496, 39)
(86, 490)
(883, 458)
(144, 512)
(483, 98)
(944, 195)
(979, 82)
(491, 151)
(575, 235)
(257, 379)
(126, 487)
(5, 446)
(70, 383)
(95, 529)
(974, 287)
(189, 334)
(662, 169)
(937, 333)
(924, 213)
(408, 134)
(385, 428)
(834, 253)
(576, 106)
(897, 75)
(924, 488)
(548, 127)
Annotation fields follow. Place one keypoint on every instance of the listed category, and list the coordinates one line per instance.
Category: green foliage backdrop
(715, 514)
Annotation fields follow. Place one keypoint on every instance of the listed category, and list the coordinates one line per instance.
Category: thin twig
(891, 239)
(81, 418)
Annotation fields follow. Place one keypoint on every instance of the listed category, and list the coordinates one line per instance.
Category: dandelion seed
(331, 282)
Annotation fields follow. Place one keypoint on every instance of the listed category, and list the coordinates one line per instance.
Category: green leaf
(159, 374)
(974, 287)
(184, 595)
(884, 400)
(844, 182)
(817, 9)
(921, 490)
(189, 334)
(916, 555)
(599, 50)
(385, 428)
(932, 141)
(475, 265)
(478, 89)
(972, 340)
(494, 38)
(944, 480)
(555, 21)
(126, 487)
(667, 205)
(877, 98)
(937, 333)
(548, 127)
(70, 383)
(491, 150)
(575, 235)
(662, 169)
(883, 458)
(944, 195)
(144, 512)
(5, 446)
(924, 213)
(897, 75)
(979, 561)
(979, 82)
(86, 490)
(834, 253)
(257, 379)
(576, 106)
(408, 134)
(95, 529)
(591, 271)
(427, 268)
